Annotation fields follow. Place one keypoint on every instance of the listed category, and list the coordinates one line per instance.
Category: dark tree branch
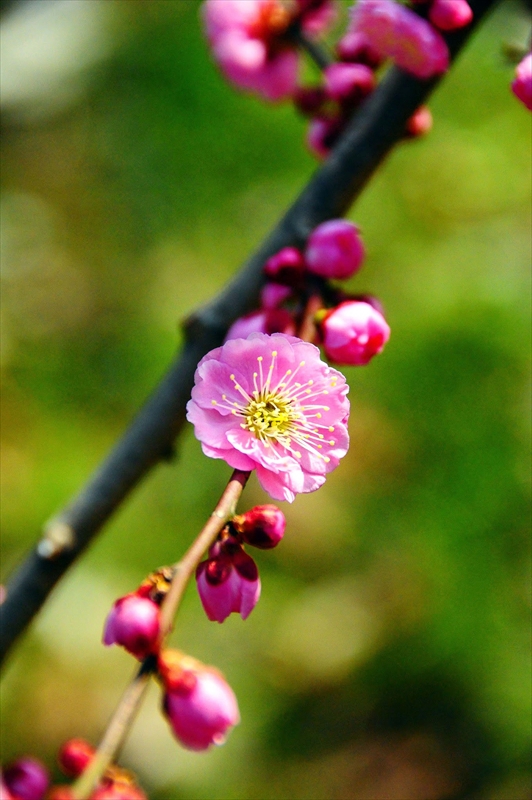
(369, 137)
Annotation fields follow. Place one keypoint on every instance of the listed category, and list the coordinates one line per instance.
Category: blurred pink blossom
(270, 403)
(246, 41)
(398, 33)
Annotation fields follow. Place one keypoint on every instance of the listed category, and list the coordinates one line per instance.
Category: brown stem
(126, 710)
(116, 732)
(185, 568)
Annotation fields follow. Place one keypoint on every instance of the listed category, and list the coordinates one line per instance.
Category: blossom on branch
(353, 333)
(270, 403)
(228, 583)
(396, 32)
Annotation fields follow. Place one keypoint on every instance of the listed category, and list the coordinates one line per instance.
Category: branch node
(58, 537)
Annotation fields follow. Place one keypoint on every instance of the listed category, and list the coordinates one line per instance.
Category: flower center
(270, 416)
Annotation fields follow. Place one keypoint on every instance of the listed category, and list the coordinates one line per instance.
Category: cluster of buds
(228, 581)
(254, 41)
(198, 702)
(28, 779)
(352, 329)
(378, 30)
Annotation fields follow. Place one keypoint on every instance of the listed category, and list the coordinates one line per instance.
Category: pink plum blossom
(396, 32)
(246, 41)
(335, 249)
(522, 84)
(25, 779)
(353, 333)
(228, 583)
(133, 623)
(449, 15)
(198, 702)
(269, 403)
(74, 756)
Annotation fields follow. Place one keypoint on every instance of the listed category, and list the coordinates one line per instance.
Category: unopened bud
(133, 623)
(74, 756)
(261, 526)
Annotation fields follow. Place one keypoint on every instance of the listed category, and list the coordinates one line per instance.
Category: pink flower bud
(355, 46)
(449, 15)
(201, 712)
(522, 84)
(353, 333)
(335, 249)
(261, 526)
(274, 320)
(228, 583)
(74, 756)
(133, 623)
(26, 779)
(420, 122)
(322, 135)
(398, 33)
(349, 82)
(287, 266)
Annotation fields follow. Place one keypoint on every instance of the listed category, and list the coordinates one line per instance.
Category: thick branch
(369, 137)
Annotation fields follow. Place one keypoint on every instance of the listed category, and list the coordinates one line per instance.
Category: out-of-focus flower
(398, 33)
(269, 403)
(228, 583)
(522, 84)
(74, 756)
(133, 623)
(198, 702)
(449, 15)
(268, 320)
(25, 779)
(261, 526)
(353, 333)
(335, 249)
(246, 37)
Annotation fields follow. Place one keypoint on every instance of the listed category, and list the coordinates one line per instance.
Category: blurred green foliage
(389, 655)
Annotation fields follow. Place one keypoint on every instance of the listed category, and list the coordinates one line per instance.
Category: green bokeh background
(388, 658)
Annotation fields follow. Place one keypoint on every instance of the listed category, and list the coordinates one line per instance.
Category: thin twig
(116, 732)
(128, 707)
(371, 134)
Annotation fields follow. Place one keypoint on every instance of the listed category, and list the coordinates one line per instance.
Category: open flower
(394, 31)
(269, 403)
